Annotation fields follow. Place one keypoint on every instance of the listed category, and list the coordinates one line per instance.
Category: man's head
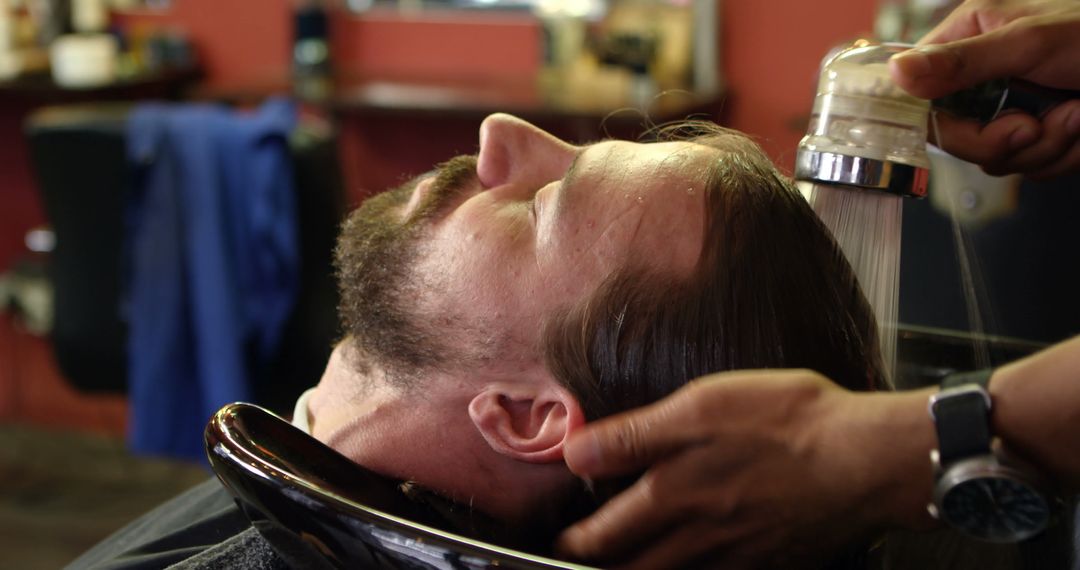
(493, 306)
(464, 266)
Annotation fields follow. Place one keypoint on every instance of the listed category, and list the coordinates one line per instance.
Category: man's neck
(424, 434)
(418, 434)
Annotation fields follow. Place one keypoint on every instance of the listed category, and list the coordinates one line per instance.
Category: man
(493, 307)
(464, 293)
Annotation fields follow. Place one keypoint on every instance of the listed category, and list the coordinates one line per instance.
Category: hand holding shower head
(866, 133)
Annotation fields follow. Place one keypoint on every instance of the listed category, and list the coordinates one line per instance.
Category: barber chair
(318, 509)
(78, 156)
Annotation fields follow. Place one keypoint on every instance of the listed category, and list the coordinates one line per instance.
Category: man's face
(484, 250)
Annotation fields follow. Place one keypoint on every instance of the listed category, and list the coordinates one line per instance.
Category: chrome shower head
(865, 131)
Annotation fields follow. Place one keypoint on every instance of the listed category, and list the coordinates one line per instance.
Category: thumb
(935, 70)
(634, 440)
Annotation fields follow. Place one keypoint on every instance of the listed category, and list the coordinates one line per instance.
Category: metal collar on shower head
(861, 172)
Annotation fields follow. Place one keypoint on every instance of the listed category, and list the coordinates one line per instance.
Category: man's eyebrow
(569, 178)
(573, 171)
(571, 175)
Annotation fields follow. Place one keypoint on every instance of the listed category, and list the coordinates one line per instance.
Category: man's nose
(514, 151)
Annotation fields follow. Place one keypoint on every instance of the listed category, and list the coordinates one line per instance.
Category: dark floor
(62, 492)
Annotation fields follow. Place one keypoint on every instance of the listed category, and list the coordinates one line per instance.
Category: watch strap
(962, 416)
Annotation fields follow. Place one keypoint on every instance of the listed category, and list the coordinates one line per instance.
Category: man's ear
(527, 422)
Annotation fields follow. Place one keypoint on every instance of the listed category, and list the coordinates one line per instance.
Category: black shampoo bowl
(318, 509)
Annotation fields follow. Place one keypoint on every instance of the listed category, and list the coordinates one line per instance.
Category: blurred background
(380, 91)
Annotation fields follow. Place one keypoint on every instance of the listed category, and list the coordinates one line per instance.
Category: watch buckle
(957, 391)
(935, 461)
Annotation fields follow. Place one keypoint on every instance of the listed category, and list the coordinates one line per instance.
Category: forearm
(1037, 411)
(796, 463)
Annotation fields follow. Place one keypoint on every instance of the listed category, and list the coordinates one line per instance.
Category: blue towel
(213, 263)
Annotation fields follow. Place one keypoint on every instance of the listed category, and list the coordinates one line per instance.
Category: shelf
(41, 89)
(544, 98)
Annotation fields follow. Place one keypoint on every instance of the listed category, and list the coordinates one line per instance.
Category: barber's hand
(753, 468)
(1033, 40)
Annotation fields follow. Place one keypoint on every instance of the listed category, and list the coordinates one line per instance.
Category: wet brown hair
(771, 290)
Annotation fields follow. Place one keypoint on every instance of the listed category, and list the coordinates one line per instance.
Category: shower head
(865, 131)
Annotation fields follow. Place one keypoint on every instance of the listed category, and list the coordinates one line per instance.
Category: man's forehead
(626, 158)
(647, 171)
(645, 198)
(634, 166)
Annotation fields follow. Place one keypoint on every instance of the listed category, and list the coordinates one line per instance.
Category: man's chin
(374, 257)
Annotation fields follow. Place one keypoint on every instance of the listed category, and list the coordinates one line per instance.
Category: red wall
(234, 37)
(32, 390)
(442, 45)
(251, 38)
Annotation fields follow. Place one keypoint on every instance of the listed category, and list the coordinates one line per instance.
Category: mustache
(452, 178)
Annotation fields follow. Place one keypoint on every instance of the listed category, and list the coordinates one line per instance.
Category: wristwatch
(977, 490)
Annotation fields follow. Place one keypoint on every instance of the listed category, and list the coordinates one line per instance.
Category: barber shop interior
(537, 284)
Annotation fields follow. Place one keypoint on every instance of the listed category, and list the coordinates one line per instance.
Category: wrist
(978, 489)
(1034, 412)
(904, 471)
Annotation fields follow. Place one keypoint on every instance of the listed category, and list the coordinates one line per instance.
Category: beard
(374, 260)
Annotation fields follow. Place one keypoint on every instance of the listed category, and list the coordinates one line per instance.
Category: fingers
(1017, 142)
(1061, 152)
(985, 144)
(963, 22)
(974, 17)
(1068, 163)
(622, 525)
(1041, 49)
(693, 546)
(633, 440)
(935, 70)
(654, 525)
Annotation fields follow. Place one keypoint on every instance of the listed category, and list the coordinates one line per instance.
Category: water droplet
(969, 200)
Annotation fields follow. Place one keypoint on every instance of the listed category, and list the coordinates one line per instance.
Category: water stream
(970, 276)
(867, 225)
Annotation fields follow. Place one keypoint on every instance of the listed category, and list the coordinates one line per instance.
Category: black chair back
(78, 158)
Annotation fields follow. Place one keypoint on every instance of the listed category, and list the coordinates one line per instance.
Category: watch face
(997, 509)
